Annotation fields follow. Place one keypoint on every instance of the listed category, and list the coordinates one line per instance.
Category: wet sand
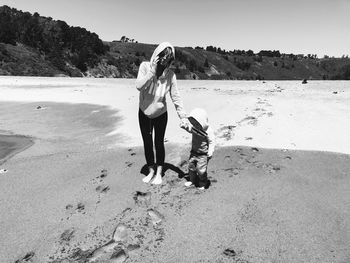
(76, 195)
(12, 144)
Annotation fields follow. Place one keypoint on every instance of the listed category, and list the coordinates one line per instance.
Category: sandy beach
(72, 189)
(11, 145)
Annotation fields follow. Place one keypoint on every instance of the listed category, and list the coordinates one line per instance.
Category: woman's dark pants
(147, 125)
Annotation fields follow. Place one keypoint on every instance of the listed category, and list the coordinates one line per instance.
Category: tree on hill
(243, 65)
(7, 26)
(55, 39)
(250, 53)
(344, 73)
(127, 40)
(192, 65)
(206, 63)
(269, 53)
(180, 56)
(211, 48)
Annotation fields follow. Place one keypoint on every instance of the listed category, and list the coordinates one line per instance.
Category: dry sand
(280, 175)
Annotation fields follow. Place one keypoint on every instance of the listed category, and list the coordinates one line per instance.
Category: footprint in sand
(70, 209)
(102, 188)
(67, 235)
(133, 247)
(129, 164)
(226, 132)
(113, 250)
(254, 149)
(142, 198)
(103, 173)
(232, 171)
(275, 168)
(132, 153)
(183, 163)
(156, 217)
(27, 258)
(229, 252)
(80, 207)
(250, 120)
(271, 168)
(212, 180)
(40, 107)
(118, 256)
(120, 233)
(103, 253)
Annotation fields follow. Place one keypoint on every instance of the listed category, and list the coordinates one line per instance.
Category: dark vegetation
(40, 46)
(65, 48)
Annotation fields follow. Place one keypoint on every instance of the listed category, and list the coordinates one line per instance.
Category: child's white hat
(200, 115)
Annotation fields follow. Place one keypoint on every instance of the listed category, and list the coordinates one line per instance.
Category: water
(12, 144)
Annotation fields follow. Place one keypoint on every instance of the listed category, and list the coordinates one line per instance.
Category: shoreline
(10, 145)
(274, 114)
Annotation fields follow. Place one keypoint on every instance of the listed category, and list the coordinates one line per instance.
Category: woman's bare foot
(158, 177)
(150, 175)
(188, 184)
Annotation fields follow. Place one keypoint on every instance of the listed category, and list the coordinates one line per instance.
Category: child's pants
(197, 169)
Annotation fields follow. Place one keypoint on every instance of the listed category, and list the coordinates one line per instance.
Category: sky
(319, 27)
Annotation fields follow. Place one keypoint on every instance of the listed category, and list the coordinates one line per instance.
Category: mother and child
(154, 81)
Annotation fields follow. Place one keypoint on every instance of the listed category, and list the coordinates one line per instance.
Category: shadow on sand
(167, 166)
(180, 173)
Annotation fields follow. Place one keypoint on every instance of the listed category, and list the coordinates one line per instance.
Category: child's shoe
(201, 188)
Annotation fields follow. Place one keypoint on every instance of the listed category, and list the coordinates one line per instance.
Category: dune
(279, 175)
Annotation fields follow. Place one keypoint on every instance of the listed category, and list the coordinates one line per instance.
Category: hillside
(32, 45)
(36, 45)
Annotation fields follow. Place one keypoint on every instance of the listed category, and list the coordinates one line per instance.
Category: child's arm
(211, 141)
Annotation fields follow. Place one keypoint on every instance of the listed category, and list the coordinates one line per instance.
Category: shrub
(243, 65)
(258, 58)
(192, 66)
(137, 62)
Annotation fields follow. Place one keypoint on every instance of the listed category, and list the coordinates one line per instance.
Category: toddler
(203, 143)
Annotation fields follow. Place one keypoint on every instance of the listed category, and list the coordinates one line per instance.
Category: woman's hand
(154, 65)
(186, 125)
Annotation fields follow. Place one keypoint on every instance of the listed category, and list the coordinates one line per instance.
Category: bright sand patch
(63, 197)
(275, 114)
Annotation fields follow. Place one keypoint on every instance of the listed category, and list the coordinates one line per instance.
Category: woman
(154, 81)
